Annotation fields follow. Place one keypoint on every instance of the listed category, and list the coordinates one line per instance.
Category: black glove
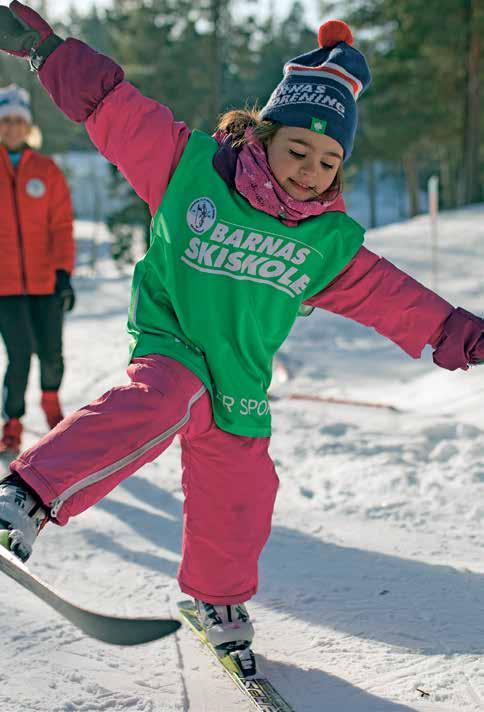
(25, 34)
(63, 289)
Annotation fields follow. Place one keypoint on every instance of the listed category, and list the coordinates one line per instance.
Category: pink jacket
(141, 137)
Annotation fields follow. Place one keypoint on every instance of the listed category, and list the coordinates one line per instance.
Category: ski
(257, 688)
(108, 629)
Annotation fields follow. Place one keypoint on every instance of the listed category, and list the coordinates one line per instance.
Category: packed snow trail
(372, 584)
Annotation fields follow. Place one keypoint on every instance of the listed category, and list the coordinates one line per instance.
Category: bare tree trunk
(446, 178)
(215, 61)
(372, 192)
(411, 175)
(220, 20)
(471, 188)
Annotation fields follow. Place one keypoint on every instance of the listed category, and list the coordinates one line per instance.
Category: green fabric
(222, 283)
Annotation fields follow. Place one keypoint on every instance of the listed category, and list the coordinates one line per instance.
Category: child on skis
(249, 229)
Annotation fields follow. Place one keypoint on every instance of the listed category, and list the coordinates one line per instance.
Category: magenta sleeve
(135, 133)
(78, 78)
(373, 292)
(141, 138)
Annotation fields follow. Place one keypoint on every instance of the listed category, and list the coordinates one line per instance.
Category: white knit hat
(15, 101)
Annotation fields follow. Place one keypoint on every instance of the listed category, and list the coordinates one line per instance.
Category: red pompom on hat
(333, 32)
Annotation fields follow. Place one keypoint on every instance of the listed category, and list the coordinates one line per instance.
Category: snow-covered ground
(372, 584)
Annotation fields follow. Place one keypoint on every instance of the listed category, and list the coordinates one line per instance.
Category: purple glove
(24, 33)
(478, 352)
(33, 21)
(462, 341)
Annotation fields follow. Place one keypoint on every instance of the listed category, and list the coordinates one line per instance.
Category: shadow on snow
(414, 605)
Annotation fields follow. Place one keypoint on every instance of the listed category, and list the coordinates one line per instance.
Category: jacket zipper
(100, 475)
(20, 238)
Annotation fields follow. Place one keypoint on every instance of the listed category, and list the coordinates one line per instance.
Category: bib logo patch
(35, 188)
(201, 215)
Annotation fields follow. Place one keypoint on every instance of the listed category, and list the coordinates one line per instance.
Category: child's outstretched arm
(373, 292)
(135, 133)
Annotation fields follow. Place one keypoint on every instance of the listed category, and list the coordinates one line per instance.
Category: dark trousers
(30, 324)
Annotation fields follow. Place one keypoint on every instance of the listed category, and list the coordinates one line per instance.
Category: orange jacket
(36, 224)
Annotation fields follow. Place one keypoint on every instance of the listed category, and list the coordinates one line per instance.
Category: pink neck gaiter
(256, 182)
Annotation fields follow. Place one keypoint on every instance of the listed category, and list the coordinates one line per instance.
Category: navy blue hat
(319, 89)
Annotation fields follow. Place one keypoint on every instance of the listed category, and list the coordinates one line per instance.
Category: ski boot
(52, 408)
(10, 442)
(230, 632)
(22, 516)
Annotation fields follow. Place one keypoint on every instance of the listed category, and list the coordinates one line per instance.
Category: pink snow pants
(229, 481)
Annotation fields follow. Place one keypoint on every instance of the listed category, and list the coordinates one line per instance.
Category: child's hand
(477, 356)
(22, 30)
(462, 342)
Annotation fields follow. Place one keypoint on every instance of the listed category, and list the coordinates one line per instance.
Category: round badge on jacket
(35, 188)
(201, 215)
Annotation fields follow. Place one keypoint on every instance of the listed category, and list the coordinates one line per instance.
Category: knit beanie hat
(319, 89)
(15, 101)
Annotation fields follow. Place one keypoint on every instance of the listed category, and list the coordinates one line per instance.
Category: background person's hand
(64, 290)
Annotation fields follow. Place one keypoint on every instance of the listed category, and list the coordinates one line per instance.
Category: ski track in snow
(372, 583)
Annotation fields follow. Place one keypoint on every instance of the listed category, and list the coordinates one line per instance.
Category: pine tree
(417, 110)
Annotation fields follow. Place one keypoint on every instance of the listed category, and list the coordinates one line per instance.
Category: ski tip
(133, 632)
(165, 627)
(171, 626)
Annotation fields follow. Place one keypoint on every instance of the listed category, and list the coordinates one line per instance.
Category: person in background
(38, 250)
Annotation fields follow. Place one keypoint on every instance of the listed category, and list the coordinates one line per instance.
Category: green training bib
(222, 283)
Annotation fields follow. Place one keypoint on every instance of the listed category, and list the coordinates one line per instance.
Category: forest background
(421, 116)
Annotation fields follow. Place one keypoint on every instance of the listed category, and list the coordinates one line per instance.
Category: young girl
(249, 229)
(37, 248)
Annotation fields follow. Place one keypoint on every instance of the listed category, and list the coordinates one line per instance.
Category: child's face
(13, 132)
(303, 162)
